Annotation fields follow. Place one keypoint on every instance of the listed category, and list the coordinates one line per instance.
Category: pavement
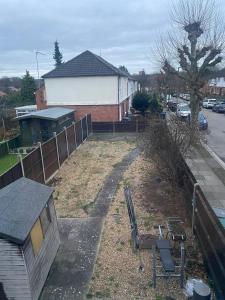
(210, 175)
(207, 169)
(72, 269)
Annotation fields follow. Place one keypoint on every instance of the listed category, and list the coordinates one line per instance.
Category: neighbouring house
(23, 110)
(215, 87)
(29, 238)
(89, 84)
(40, 126)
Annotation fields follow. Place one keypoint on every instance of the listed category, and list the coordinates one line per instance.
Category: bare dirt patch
(81, 177)
(116, 274)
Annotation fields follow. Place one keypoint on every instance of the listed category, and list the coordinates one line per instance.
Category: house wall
(101, 96)
(13, 273)
(38, 267)
(98, 112)
(93, 90)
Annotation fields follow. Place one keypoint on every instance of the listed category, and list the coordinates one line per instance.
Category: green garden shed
(39, 126)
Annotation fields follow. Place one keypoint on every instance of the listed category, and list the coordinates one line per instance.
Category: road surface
(215, 135)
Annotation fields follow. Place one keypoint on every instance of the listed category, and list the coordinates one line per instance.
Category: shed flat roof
(53, 113)
(21, 203)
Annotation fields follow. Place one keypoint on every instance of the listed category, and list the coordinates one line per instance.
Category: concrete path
(72, 269)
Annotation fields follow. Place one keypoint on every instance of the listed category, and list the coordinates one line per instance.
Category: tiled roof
(85, 64)
(21, 203)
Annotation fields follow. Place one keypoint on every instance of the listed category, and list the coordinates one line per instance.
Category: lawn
(7, 161)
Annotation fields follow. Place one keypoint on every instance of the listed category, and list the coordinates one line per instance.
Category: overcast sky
(122, 31)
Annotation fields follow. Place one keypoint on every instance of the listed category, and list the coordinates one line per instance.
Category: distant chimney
(40, 98)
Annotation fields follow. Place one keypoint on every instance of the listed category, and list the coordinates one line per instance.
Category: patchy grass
(116, 269)
(81, 177)
(8, 161)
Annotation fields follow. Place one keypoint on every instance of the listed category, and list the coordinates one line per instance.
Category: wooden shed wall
(13, 273)
(38, 267)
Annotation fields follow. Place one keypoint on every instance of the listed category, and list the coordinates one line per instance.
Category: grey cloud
(124, 31)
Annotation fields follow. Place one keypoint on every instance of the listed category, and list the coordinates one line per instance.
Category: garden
(117, 269)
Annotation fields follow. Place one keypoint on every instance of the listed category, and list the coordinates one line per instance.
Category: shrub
(141, 102)
(154, 106)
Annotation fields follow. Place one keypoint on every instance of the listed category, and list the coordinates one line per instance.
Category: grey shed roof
(54, 113)
(21, 203)
(86, 64)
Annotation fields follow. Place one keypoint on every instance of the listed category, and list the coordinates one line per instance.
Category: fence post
(21, 163)
(7, 144)
(57, 148)
(75, 137)
(137, 126)
(42, 161)
(82, 134)
(67, 146)
(87, 125)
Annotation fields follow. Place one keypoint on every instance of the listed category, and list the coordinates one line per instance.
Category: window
(37, 237)
(45, 218)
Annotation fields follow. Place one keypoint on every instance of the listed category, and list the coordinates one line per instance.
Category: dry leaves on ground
(81, 176)
(116, 274)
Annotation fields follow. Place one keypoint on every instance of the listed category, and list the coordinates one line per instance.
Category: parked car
(183, 111)
(219, 107)
(208, 103)
(202, 121)
(172, 105)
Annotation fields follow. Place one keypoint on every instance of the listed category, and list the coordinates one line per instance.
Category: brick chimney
(40, 98)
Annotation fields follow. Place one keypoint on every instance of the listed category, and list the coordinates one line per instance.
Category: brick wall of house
(99, 113)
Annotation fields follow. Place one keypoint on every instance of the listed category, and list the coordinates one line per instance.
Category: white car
(183, 111)
(208, 103)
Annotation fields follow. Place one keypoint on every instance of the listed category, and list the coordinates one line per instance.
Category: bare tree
(167, 143)
(198, 51)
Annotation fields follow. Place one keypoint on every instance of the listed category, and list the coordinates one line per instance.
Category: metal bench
(139, 241)
(168, 267)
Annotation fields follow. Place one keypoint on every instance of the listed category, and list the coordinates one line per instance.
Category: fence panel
(32, 165)
(71, 138)
(3, 149)
(102, 127)
(210, 233)
(126, 126)
(61, 139)
(89, 123)
(50, 158)
(84, 128)
(78, 133)
(11, 175)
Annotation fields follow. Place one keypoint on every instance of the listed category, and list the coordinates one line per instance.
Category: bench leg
(182, 265)
(154, 266)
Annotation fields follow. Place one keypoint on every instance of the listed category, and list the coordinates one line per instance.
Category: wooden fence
(210, 234)
(128, 126)
(42, 163)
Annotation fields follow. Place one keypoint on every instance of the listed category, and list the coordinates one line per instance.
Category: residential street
(215, 135)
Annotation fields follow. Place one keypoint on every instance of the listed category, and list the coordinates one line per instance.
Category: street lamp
(38, 52)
